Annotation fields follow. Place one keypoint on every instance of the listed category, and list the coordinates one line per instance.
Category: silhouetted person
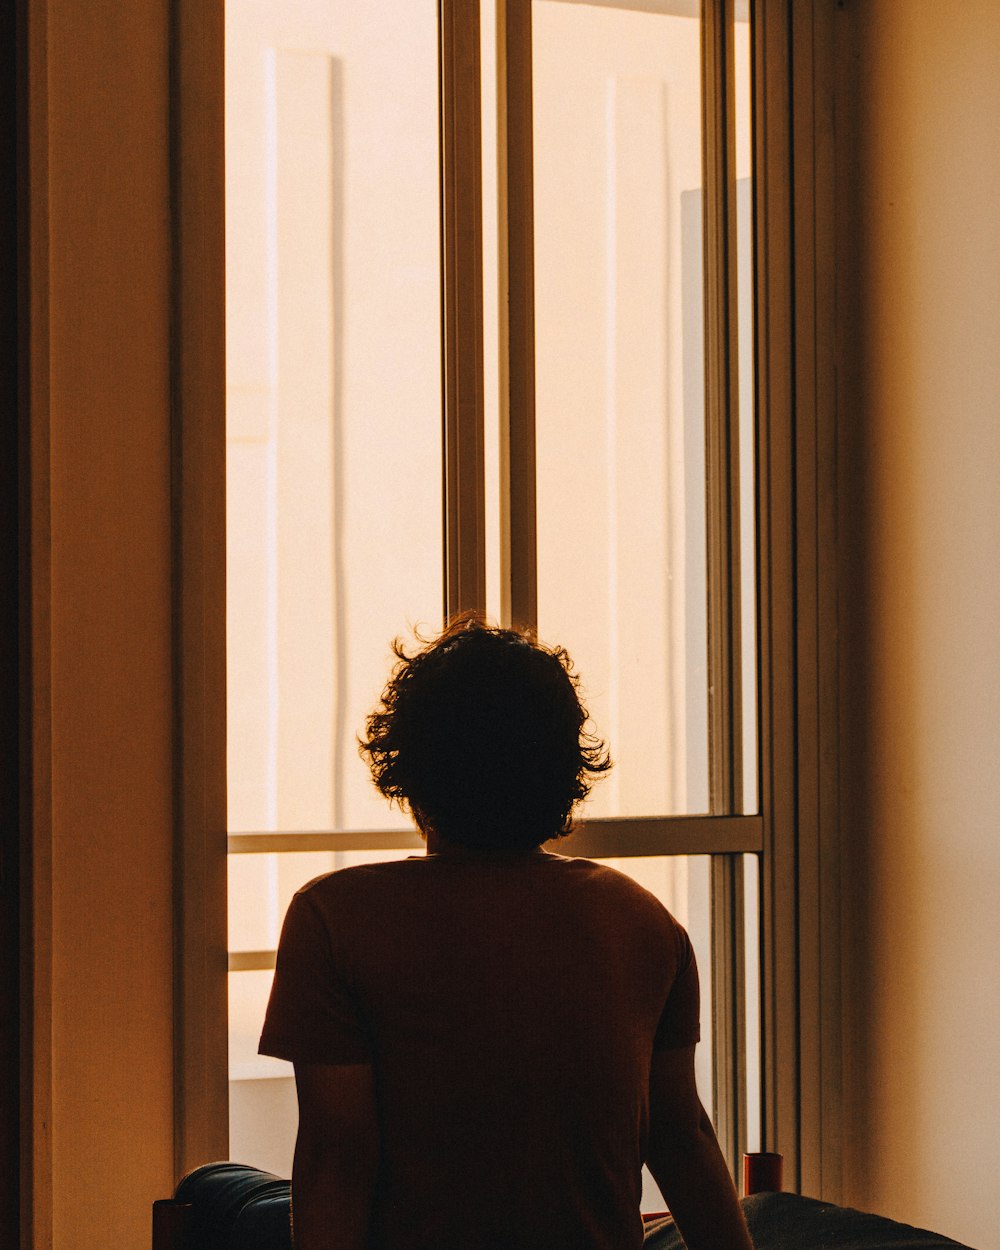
(490, 1039)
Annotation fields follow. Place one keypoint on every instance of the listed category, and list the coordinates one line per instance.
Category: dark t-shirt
(510, 1006)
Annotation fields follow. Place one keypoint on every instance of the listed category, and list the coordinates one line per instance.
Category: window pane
(261, 887)
(682, 883)
(262, 1108)
(620, 388)
(751, 911)
(263, 1121)
(744, 307)
(491, 304)
(334, 403)
(248, 995)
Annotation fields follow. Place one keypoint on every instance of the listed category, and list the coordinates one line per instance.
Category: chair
(223, 1205)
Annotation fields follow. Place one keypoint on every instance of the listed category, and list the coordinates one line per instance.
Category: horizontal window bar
(251, 961)
(609, 839)
(642, 835)
(354, 840)
(665, 835)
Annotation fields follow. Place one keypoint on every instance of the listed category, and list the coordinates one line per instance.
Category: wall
(924, 1015)
(925, 1012)
(102, 697)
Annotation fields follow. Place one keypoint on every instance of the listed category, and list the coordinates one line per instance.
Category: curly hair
(481, 734)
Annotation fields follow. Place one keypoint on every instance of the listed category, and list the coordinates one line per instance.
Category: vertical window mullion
(518, 542)
(722, 527)
(721, 415)
(462, 310)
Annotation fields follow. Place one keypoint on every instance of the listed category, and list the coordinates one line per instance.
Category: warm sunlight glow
(334, 390)
(621, 435)
(333, 433)
(334, 430)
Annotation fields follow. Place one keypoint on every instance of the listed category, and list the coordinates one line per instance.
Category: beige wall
(924, 1136)
(926, 1003)
(102, 697)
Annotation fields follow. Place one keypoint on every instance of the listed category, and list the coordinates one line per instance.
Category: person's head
(481, 734)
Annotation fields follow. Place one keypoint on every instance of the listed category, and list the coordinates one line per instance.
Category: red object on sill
(762, 1173)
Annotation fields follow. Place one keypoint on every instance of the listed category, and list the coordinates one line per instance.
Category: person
(490, 1039)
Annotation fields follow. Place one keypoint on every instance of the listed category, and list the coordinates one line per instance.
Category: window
(574, 266)
(793, 838)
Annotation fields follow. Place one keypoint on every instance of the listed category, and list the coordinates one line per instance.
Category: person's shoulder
(355, 879)
(355, 874)
(619, 889)
(598, 876)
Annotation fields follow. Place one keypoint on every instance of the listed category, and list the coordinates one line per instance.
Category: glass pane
(620, 388)
(261, 887)
(751, 911)
(263, 1121)
(491, 304)
(334, 396)
(248, 995)
(262, 1109)
(682, 883)
(744, 308)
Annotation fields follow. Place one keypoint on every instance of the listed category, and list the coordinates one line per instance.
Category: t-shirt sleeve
(312, 1015)
(680, 1021)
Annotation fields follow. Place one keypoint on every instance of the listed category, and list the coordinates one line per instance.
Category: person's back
(510, 1004)
(489, 1041)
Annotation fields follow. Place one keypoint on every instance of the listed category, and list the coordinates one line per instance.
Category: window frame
(799, 394)
(796, 833)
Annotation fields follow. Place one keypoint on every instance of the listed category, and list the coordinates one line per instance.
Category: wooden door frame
(12, 341)
(198, 420)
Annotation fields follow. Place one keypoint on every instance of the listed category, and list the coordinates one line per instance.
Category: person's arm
(336, 1156)
(685, 1159)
